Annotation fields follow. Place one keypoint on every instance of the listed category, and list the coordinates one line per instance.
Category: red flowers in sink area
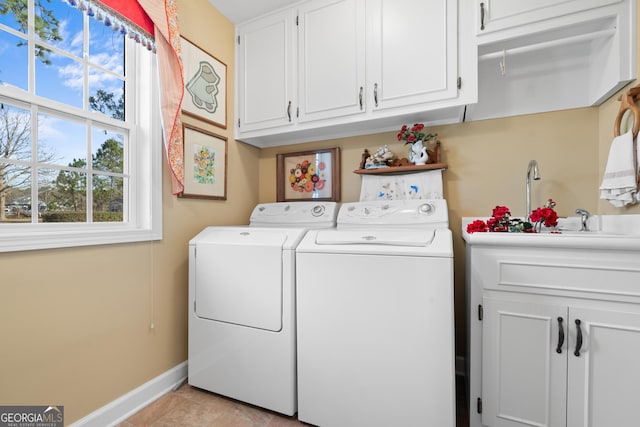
(502, 221)
(545, 215)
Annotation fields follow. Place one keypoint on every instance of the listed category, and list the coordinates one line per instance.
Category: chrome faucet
(533, 165)
(584, 217)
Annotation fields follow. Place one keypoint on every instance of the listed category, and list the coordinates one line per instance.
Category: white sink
(605, 232)
(602, 225)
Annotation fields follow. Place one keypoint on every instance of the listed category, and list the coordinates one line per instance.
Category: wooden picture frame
(205, 164)
(205, 85)
(308, 176)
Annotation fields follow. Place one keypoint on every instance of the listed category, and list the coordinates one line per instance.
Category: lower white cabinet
(550, 364)
(553, 333)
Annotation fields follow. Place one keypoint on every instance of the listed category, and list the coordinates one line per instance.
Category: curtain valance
(154, 23)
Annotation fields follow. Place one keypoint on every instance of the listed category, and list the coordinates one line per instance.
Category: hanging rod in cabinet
(549, 44)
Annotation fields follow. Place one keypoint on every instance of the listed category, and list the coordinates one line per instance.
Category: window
(80, 131)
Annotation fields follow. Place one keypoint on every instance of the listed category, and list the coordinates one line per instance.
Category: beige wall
(75, 323)
(487, 166)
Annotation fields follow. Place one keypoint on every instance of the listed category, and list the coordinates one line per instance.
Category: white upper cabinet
(266, 54)
(496, 15)
(550, 55)
(362, 66)
(331, 59)
(412, 52)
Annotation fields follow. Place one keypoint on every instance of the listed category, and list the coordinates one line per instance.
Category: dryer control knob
(426, 208)
(317, 210)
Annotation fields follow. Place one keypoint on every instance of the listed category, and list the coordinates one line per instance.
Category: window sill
(73, 236)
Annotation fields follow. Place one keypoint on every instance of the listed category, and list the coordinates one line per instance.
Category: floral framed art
(205, 85)
(205, 164)
(309, 175)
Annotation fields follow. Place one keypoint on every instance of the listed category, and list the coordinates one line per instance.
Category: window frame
(143, 195)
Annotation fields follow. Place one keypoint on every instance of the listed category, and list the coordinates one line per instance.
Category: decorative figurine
(380, 159)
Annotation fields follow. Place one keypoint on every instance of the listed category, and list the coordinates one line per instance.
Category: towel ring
(627, 102)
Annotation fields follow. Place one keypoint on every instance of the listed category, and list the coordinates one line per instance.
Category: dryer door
(238, 278)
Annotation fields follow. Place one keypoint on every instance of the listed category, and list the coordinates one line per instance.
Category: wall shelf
(394, 170)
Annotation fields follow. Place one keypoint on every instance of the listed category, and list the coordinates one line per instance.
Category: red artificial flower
(414, 133)
(500, 212)
(493, 222)
(548, 215)
(477, 226)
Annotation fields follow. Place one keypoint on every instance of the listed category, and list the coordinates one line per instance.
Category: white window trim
(145, 191)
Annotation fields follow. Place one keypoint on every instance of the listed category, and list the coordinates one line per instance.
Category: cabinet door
(412, 50)
(604, 378)
(331, 58)
(523, 375)
(494, 15)
(266, 73)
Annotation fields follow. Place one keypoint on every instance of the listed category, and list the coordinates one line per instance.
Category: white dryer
(242, 304)
(375, 317)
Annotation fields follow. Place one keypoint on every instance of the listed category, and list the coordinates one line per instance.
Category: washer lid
(418, 238)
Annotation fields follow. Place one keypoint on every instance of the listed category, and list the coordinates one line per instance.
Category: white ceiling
(242, 10)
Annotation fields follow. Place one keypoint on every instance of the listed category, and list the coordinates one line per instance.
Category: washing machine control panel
(414, 213)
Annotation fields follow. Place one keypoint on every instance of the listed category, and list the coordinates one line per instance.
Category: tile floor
(192, 407)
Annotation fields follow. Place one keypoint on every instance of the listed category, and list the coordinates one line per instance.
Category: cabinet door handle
(482, 16)
(360, 96)
(579, 339)
(375, 93)
(289, 110)
(560, 336)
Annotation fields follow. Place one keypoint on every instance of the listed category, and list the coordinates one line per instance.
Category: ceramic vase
(418, 154)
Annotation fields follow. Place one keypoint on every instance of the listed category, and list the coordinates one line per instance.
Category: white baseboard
(130, 403)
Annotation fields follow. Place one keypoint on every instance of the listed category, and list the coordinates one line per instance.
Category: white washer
(242, 304)
(375, 317)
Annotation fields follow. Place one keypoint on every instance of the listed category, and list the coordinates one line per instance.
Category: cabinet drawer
(588, 275)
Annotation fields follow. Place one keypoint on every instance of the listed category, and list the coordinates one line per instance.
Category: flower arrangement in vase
(417, 137)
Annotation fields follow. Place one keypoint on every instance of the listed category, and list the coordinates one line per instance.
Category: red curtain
(132, 12)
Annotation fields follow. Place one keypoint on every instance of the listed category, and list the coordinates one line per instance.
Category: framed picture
(205, 85)
(309, 175)
(205, 164)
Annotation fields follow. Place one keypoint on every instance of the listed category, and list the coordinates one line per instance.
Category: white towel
(619, 184)
(420, 185)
